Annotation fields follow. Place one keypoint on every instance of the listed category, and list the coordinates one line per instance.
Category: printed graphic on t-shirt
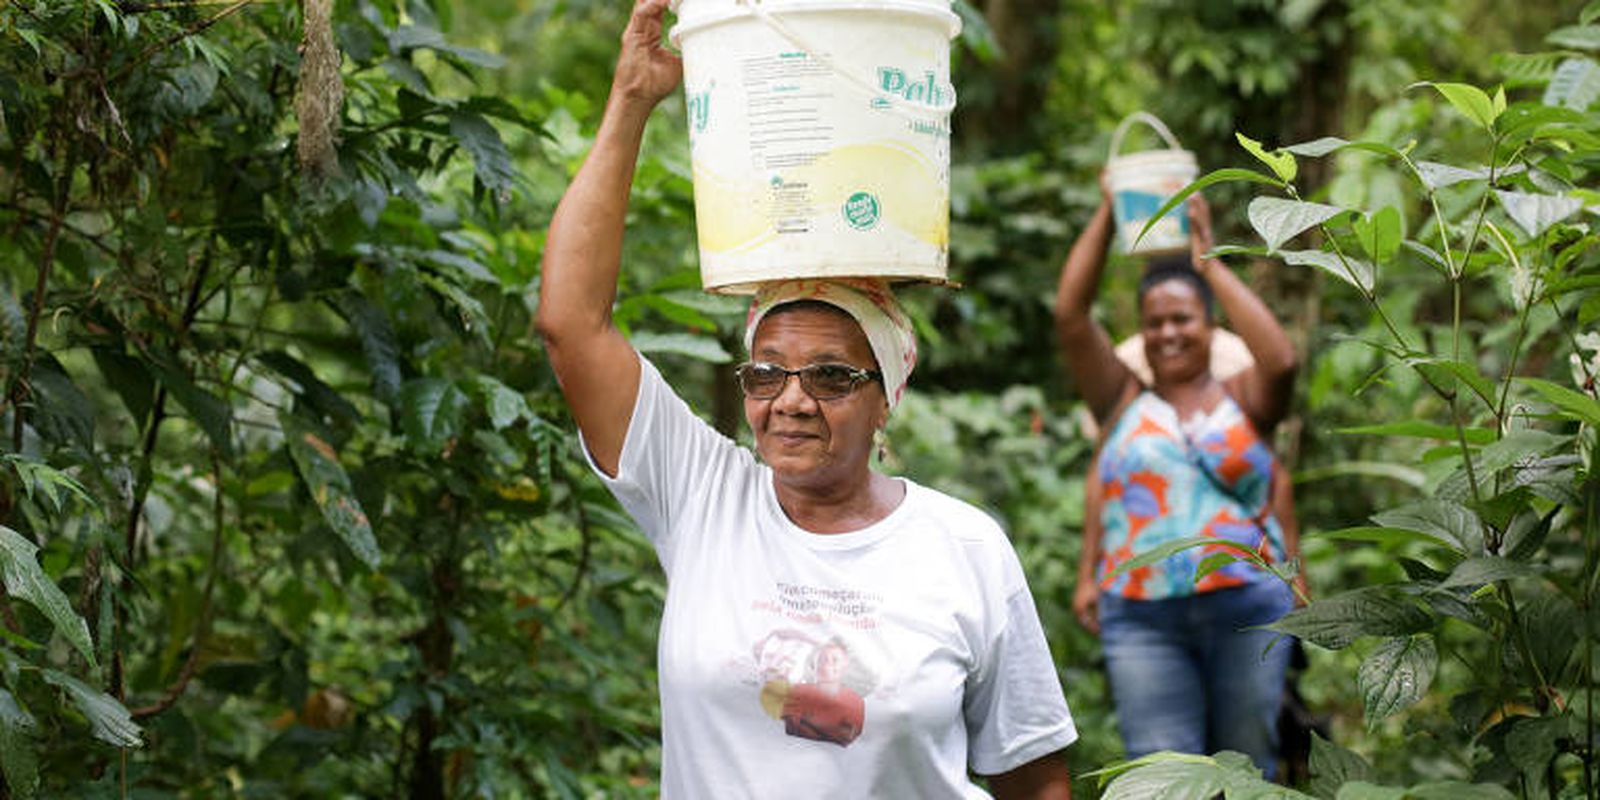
(811, 678)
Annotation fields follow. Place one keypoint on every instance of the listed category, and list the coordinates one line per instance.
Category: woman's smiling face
(1177, 333)
(814, 443)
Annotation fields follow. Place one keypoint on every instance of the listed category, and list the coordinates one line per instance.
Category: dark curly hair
(1161, 269)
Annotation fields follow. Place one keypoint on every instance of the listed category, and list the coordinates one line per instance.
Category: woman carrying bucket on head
(1185, 455)
(829, 631)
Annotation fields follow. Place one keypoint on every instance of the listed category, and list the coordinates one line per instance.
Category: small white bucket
(819, 134)
(1141, 183)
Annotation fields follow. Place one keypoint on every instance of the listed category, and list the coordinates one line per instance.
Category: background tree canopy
(290, 505)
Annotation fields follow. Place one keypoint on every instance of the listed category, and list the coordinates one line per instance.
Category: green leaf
(39, 478)
(1424, 430)
(1317, 148)
(490, 159)
(504, 405)
(329, 485)
(25, 579)
(1278, 220)
(1362, 790)
(1212, 563)
(1354, 271)
(1577, 37)
(1167, 549)
(703, 348)
(207, 410)
(1437, 176)
(1332, 766)
(1337, 621)
(1410, 476)
(61, 412)
(1458, 790)
(129, 378)
(1446, 522)
(1479, 571)
(378, 342)
(1282, 164)
(1527, 532)
(432, 410)
(1471, 101)
(1167, 780)
(1396, 675)
(109, 720)
(1573, 404)
(1228, 175)
(1536, 213)
(1519, 445)
(19, 757)
(1446, 372)
(1391, 538)
(1380, 234)
(305, 384)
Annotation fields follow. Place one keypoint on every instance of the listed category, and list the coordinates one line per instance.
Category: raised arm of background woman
(1102, 378)
(1264, 389)
(597, 369)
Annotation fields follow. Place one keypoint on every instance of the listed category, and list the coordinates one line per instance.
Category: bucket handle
(782, 28)
(1148, 119)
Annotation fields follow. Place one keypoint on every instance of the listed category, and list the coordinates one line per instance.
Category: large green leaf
(1535, 213)
(1380, 233)
(1337, 621)
(1277, 220)
(329, 485)
(25, 580)
(1533, 743)
(1281, 163)
(129, 378)
(1471, 101)
(61, 412)
(1519, 445)
(1482, 570)
(1424, 430)
(1459, 790)
(1354, 271)
(1578, 37)
(19, 757)
(1446, 522)
(321, 397)
(504, 405)
(490, 158)
(214, 416)
(1574, 404)
(1317, 148)
(432, 411)
(1362, 790)
(1575, 84)
(1396, 675)
(1393, 538)
(1437, 176)
(378, 342)
(1167, 780)
(1332, 766)
(108, 718)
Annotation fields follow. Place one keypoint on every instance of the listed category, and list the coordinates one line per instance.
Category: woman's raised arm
(596, 367)
(1264, 389)
(1102, 378)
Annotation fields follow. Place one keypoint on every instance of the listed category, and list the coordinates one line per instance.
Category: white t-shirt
(876, 663)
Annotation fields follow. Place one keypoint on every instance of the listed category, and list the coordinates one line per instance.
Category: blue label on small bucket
(861, 211)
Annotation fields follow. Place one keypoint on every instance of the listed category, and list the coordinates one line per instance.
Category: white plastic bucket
(820, 137)
(1141, 183)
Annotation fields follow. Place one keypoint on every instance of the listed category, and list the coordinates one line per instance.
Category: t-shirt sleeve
(1014, 707)
(669, 458)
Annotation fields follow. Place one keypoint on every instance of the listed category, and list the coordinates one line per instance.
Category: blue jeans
(1186, 676)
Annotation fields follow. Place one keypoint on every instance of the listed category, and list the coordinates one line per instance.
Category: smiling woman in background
(1184, 455)
(924, 655)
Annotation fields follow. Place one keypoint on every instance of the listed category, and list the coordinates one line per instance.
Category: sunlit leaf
(1578, 37)
(1575, 404)
(1281, 163)
(1380, 233)
(1424, 430)
(1228, 175)
(489, 154)
(108, 718)
(1471, 101)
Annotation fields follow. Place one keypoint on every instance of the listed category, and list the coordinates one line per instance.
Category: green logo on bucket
(861, 211)
(700, 110)
(926, 91)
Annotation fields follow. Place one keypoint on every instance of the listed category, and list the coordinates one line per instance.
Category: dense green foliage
(290, 505)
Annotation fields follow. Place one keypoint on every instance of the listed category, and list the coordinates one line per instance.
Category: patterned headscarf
(870, 303)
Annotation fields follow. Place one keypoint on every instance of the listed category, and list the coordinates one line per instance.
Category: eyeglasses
(763, 381)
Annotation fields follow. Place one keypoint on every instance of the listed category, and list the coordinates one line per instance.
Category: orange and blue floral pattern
(1155, 492)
